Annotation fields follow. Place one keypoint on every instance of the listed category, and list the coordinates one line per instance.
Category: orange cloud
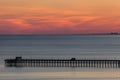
(48, 20)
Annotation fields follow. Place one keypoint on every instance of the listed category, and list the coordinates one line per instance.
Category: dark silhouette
(114, 33)
(73, 62)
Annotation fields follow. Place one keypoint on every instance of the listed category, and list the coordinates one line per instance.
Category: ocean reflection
(50, 75)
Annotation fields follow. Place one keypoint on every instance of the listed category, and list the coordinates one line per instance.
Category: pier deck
(73, 62)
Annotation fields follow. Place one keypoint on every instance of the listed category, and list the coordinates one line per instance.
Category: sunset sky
(59, 16)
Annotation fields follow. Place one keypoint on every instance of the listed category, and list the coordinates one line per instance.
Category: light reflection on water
(61, 75)
(58, 74)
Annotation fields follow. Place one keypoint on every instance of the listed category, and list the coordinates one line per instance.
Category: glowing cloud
(59, 16)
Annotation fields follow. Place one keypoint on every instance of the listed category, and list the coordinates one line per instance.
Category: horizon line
(111, 33)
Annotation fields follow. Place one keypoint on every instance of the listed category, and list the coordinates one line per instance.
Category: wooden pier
(73, 62)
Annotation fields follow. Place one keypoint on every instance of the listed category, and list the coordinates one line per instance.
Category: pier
(73, 62)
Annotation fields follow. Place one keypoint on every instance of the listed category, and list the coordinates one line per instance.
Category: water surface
(62, 46)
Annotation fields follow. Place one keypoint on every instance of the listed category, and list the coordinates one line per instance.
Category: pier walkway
(73, 62)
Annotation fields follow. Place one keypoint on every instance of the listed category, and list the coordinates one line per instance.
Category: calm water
(62, 46)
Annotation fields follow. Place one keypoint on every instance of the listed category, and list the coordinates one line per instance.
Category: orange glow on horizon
(59, 16)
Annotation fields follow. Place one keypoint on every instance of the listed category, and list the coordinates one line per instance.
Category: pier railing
(73, 62)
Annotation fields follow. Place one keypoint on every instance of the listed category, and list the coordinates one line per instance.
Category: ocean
(59, 47)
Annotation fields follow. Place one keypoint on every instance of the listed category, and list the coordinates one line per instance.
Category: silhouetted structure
(73, 62)
(114, 33)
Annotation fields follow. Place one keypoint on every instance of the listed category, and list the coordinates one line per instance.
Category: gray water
(59, 46)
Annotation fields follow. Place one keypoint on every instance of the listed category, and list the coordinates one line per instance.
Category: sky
(59, 16)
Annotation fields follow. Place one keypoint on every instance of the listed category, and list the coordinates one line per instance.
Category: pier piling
(73, 62)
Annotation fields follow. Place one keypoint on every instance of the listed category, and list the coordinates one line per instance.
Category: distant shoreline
(54, 34)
